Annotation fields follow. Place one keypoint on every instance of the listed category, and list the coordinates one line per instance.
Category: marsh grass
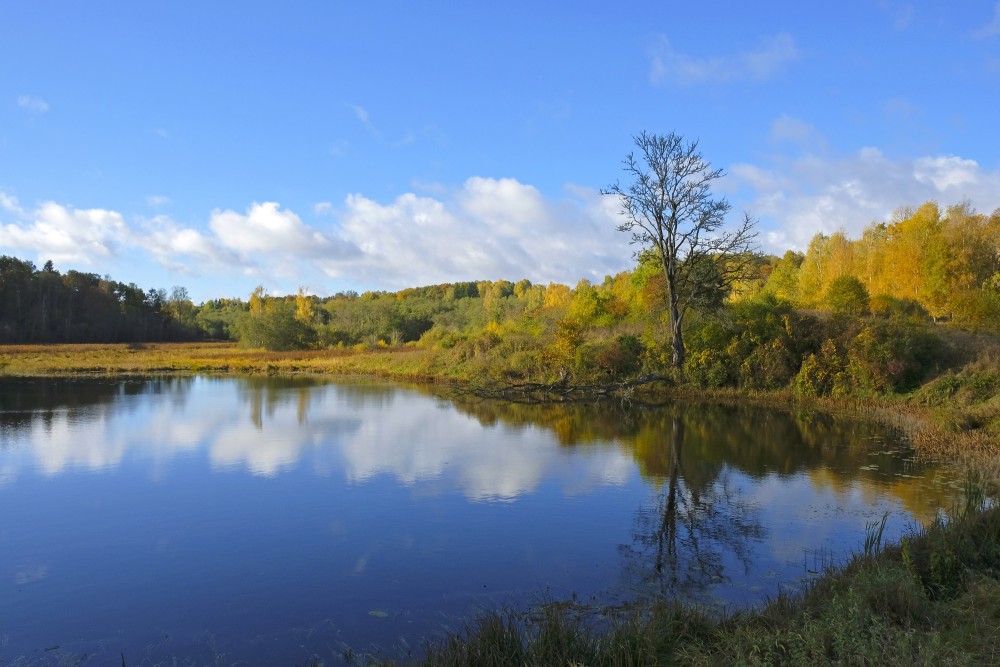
(934, 599)
(211, 358)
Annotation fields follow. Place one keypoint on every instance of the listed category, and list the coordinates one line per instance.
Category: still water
(271, 521)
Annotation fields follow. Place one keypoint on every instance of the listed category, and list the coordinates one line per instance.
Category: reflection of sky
(269, 430)
(814, 525)
(253, 509)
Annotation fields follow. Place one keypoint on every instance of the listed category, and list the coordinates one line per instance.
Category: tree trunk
(676, 334)
(676, 338)
(669, 265)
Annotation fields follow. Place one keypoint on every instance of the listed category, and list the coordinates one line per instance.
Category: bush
(274, 328)
(893, 356)
(823, 374)
(440, 337)
(770, 366)
(609, 360)
(708, 368)
(884, 305)
(847, 296)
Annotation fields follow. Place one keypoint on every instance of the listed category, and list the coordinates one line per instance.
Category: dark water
(270, 521)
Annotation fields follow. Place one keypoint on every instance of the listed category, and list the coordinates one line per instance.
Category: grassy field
(213, 358)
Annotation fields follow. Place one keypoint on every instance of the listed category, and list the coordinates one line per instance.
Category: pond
(270, 520)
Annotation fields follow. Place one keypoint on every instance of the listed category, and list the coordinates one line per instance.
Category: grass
(212, 358)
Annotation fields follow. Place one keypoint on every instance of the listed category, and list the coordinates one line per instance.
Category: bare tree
(669, 208)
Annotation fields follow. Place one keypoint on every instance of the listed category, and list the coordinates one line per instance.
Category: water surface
(273, 520)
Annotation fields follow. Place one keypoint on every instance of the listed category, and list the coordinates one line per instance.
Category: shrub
(884, 305)
(847, 296)
(893, 356)
(609, 360)
(708, 368)
(770, 366)
(823, 374)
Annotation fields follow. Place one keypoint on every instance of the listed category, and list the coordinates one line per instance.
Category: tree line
(46, 306)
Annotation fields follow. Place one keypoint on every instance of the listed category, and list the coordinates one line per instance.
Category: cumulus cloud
(487, 228)
(32, 103)
(182, 248)
(63, 234)
(267, 228)
(799, 198)
(770, 57)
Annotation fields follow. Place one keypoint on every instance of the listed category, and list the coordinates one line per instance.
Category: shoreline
(932, 432)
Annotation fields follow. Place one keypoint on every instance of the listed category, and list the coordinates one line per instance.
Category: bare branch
(669, 207)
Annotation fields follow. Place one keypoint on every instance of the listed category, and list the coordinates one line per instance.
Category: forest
(847, 316)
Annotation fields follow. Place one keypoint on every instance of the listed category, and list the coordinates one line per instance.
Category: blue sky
(381, 145)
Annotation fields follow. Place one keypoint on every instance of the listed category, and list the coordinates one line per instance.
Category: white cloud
(490, 228)
(946, 173)
(66, 234)
(797, 199)
(266, 228)
(770, 57)
(156, 201)
(487, 228)
(991, 29)
(32, 103)
(175, 247)
(9, 203)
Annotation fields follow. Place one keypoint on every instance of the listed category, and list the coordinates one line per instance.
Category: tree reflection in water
(696, 526)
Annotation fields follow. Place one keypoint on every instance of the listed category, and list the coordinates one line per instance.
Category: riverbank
(955, 416)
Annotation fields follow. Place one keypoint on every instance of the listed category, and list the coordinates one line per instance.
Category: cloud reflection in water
(268, 427)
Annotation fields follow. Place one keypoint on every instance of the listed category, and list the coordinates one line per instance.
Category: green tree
(271, 324)
(783, 282)
(847, 296)
(669, 207)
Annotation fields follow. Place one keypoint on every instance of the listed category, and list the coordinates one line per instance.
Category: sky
(381, 145)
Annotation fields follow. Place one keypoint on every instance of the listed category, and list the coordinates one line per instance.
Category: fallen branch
(561, 391)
